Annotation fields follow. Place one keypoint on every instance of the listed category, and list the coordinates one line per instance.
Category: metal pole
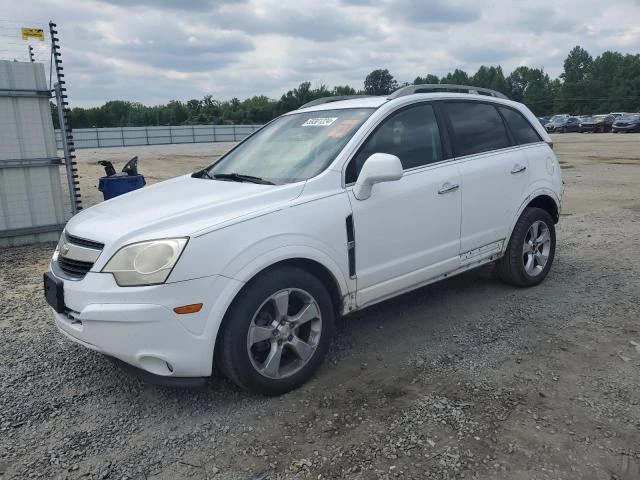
(122, 135)
(193, 134)
(65, 149)
(98, 138)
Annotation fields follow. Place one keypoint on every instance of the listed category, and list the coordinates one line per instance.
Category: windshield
(293, 147)
(629, 117)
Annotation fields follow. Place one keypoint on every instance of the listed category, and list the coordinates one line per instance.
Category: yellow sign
(36, 33)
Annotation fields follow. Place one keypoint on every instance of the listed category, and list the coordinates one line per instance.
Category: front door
(407, 231)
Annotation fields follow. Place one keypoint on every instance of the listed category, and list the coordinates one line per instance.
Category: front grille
(74, 268)
(77, 256)
(83, 242)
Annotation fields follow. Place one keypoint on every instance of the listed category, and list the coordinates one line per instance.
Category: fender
(238, 274)
(296, 247)
(535, 193)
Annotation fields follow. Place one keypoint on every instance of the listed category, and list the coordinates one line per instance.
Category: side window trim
(443, 127)
(447, 153)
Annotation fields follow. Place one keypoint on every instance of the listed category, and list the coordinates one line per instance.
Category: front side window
(411, 134)
(477, 127)
(293, 147)
(521, 129)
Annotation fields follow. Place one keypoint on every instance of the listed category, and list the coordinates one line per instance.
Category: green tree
(574, 95)
(427, 79)
(380, 82)
(458, 77)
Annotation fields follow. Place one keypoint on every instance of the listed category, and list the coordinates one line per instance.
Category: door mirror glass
(379, 167)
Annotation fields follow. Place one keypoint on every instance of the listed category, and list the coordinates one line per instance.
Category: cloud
(433, 12)
(155, 50)
(312, 21)
(188, 5)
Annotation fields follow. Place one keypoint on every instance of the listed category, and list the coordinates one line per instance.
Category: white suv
(325, 210)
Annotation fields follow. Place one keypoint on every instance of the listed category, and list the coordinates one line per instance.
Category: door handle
(517, 168)
(448, 187)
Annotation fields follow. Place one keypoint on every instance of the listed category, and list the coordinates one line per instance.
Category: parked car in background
(597, 123)
(629, 122)
(618, 114)
(544, 120)
(563, 125)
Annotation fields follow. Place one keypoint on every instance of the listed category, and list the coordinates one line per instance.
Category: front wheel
(531, 249)
(277, 332)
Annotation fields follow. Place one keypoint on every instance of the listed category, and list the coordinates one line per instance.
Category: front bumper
(137, 325)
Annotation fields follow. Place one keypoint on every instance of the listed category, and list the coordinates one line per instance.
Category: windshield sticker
(319, 122)
(342, 128)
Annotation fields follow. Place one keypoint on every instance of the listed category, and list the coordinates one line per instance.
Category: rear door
(493, 171)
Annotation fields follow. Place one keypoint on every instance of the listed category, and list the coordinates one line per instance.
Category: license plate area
(54, 292)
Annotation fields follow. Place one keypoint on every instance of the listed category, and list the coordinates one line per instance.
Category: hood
(182, 206)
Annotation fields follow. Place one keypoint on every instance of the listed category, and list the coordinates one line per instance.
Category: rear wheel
(531, 249)
(277, 333)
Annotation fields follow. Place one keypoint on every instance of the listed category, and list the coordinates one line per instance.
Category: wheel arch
(314, 261)
(543, 198)
(314, 267)
(547, 203)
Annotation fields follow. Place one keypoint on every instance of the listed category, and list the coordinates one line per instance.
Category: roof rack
(447, 87)
(336, 98)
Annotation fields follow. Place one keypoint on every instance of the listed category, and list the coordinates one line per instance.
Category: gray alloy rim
(536, 248)
(284, 333)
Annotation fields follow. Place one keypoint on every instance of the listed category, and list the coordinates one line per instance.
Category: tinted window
(411, 134)
(477, 127)
(521, 129)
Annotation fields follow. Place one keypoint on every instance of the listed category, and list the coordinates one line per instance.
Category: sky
(152, 51)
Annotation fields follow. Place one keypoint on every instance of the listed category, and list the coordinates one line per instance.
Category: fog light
(192, 308)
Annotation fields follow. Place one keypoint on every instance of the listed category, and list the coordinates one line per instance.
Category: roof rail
(336, 98)
(447, 87)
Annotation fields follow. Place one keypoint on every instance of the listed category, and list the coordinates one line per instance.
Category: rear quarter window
(520, 127)
(477, 127)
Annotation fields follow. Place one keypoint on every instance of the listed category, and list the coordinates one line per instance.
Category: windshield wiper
(238, 177)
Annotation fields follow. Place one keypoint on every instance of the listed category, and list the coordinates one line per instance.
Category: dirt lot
(468, 378)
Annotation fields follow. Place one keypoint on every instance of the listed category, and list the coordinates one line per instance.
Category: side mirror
(379, 167)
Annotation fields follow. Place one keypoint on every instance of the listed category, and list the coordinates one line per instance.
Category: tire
(517, 267)
(253, 362)
(564, 129)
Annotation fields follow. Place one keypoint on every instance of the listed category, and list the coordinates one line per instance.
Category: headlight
(145, 263)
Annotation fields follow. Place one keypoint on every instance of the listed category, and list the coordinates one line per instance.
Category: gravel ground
(539, 383)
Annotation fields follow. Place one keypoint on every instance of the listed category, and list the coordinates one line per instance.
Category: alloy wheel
(284, 333)
(536, 248)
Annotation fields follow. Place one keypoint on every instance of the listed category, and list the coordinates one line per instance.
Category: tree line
(609, 82)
